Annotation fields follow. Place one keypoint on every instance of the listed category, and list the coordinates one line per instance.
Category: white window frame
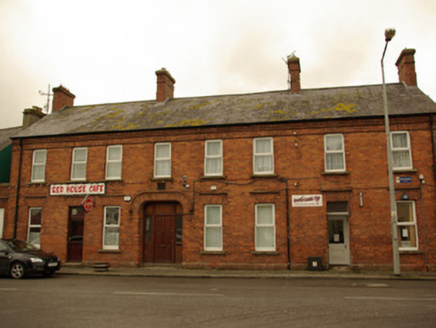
(2, 221)
(105, 225)
(271, 225)
(401, 149)
(75, 162)
(156, 160)
(34, 165)
(213, 226)
(257, 155)
(34, 226)
(408, 224)
(114, 161)
(208, 157)
(329, 152)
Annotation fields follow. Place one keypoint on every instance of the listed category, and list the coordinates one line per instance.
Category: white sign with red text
(77, 189)
(306, 200)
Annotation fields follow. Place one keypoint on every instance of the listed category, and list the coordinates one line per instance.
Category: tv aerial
(48, 94)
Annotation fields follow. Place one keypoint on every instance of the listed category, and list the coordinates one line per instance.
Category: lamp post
(389, 34)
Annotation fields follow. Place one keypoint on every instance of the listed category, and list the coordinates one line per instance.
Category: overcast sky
(107, 51)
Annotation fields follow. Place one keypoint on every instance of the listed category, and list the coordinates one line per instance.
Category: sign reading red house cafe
(75, 189)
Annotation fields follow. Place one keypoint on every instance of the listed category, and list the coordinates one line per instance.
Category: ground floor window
(213, 229)
(407, 232)
(265, 234)
(111, 232)
(34, 233)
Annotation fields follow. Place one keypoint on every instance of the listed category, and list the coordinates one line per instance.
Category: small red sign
(87, 204)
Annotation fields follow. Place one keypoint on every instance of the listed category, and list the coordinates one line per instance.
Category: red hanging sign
(87, 204)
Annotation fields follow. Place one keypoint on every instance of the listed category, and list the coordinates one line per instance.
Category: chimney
(165, 85)
(294, 73)
(62, 97)
(32, 115)
(406, 67)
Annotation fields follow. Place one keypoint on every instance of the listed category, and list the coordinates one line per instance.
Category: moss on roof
(310, 104)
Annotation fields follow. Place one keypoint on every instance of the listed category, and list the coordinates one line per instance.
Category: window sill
(212, 252)
(264, 176)
(114, 251)
(113, 180)
(411, 252)
(162, 179)
(267, 253)
(264, 192)
(212, 177)
(336, 173)
(40, 183)
(405, 171)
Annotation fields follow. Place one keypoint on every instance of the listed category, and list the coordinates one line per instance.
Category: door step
(161, 265)
(73, 264)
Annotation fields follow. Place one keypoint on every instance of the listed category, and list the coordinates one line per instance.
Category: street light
(389, 34)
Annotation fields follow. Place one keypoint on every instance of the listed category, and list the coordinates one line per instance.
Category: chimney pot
(406, 67)
(62, 97)
(294, 72)
(165, 85)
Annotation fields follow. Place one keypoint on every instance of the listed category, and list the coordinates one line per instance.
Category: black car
(19, 259)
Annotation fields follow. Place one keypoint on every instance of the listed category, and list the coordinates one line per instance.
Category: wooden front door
(75, 234)
(164, 241)
(162, 233)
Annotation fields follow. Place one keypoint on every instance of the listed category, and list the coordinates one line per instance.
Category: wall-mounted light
(361, 199)
(404, 197)
(184, 183)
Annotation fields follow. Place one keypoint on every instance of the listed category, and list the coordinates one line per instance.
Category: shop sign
(87, 204)
(306, 200)
(74, 189)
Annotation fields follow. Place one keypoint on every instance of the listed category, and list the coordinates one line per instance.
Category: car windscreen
(21, 246)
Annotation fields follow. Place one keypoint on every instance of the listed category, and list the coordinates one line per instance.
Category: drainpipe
(422, 182)
(288, 235)
(433, 145)
(17, 199)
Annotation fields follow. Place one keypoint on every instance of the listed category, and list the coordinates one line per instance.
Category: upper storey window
(38, 165)
(213, 158)
(114, 161)
(162, 160)
(78, 167)
(401, 153)
(263, 156)
(334, 153)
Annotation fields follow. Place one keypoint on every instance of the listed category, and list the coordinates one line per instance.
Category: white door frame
(2, 221)
(339, 252)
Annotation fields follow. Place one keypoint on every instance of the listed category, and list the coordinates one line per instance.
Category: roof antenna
(48, 94)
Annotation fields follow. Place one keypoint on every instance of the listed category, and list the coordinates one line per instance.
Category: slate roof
(6, 135)
(275, 106)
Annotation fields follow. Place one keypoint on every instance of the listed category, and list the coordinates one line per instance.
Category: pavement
(173, 271)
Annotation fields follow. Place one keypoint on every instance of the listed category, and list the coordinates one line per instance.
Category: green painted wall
(5, 164)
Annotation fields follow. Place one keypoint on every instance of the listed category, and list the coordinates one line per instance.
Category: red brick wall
(299, 158)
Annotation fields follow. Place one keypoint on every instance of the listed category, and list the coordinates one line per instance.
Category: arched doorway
(162, 232)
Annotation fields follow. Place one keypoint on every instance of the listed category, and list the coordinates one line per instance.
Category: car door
(4, 258)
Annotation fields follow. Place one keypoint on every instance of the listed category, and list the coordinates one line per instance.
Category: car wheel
(17, 270)
(48, 274)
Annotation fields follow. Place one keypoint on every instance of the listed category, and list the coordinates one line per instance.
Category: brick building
(262, 180)
(30, 116)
